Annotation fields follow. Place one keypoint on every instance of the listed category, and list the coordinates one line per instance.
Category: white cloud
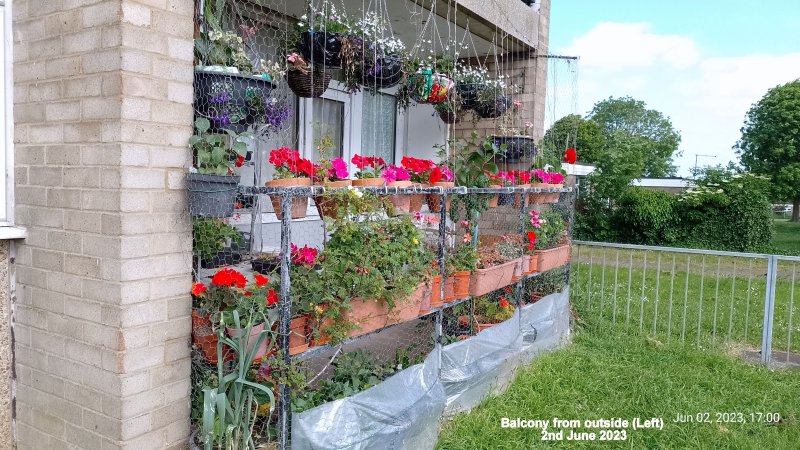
(705, 96)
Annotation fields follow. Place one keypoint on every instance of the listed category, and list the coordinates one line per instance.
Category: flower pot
(518, 198)
(200, 320)
(428, 87)
(408, 308)
(487, 280)
(321, 47)
(495, 198)
(205, 339)
(385, 72)
(211, 195)
(251, 343)
(298, 335)
(517, 148)
(327, 206)
(401, 202)
(224, 98)
(417, 200)
(526, 264)
(552, 258)
(449, 290)
(483, 326)
(493, 108)
(518, 270)
(369, 182)
(367, 315)
(449, 116)
(436, 292)
(311, 84)
(265, 266)
(469, 94)
(299, 204)
(433, 199)
(545, 197)
(554, 197)
(425, 302)
(224, 258)
(532, 264)
(461, 283)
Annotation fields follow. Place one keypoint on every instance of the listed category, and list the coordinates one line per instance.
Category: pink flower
(535, 221)
(293, 57)
(517, 104)
(467, 238)
(528, 124)
(339, 170)
(447, 174)
(394, 173)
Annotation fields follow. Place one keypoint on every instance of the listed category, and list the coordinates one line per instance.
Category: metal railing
(742, 301)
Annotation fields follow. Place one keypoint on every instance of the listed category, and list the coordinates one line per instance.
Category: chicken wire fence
(738, 302)
(382, 280)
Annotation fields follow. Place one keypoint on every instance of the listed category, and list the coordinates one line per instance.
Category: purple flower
(222, 97)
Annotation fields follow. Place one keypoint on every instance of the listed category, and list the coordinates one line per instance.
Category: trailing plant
(488, 310)
(214, 153)
(222, 48)
(211, 234)
(510, 247)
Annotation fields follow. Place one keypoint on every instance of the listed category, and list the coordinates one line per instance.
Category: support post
(284, 393)
(769, 310)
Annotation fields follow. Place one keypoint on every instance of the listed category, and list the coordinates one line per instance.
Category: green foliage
(465, 258)
(645, 217)
(551, 231)
(770, 143)
(584, 135)
(470, 159)
(210, 235)
(213, 153)
(491, 310)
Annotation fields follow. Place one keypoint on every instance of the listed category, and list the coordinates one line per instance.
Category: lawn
(787, 237)
(607, 373)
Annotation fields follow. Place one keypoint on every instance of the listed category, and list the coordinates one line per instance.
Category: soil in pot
(299, 204)
(434, 200)
(322, 47)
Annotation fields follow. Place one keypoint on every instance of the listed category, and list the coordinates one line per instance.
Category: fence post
(769, 310)
(284, 393)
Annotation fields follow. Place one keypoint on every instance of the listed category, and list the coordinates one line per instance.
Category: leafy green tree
(654, 133)
(584, 135)
(770, 143)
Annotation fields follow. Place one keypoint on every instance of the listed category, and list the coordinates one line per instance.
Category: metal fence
(742, 303)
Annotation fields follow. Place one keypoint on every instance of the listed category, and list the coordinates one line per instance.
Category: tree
(654, 132)
(770, 143)
(574, 131)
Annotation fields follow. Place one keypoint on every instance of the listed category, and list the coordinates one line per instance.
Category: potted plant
(255, 317)
(384, 58)
(546, 179)
(396, 176)
(211, 236)
(493, 271)
(530, 260)
(552, 247)
(469, 82)
(208, 301)
(321, 33)
(290, 171)
(304, 80)
(472, 162)
(461, 264)
(492, 102)
(450, 109)
(423, 173)
(369, 170)
(510, 247)
(266, 262)
(489, 313)
(212, 186)
(330, 174)
(440, 176)
(522, 180)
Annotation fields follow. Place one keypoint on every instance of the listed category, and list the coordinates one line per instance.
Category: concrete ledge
(486, 18)
(9, 232)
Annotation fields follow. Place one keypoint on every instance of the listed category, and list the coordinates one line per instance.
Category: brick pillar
(103, 93)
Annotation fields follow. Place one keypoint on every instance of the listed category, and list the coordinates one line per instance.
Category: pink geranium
(394, 173)
(447, 174)
(338, 170)
(548, 177)
(306, 256)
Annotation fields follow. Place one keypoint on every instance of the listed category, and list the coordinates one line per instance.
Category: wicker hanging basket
(311, 84)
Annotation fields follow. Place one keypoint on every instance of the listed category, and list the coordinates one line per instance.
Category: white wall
(424, 129)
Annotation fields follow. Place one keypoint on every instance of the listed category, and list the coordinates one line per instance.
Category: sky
(701, 63)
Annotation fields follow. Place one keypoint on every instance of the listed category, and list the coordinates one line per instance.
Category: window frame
(7, 228)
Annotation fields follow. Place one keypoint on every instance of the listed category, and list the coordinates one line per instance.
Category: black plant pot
(211, 195)
(385, 72)
(469, 94)
(518, 148)
(221, 259)
(493, 108)
(265, 266)
(322, 48)
(219, 95)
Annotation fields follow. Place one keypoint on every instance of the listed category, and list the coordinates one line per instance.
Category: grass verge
(606, 373)
(787, 237)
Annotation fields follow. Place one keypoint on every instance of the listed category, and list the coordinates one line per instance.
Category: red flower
(531, 240)
(239, 161)
(280, 156)
(306, 256)
(504, 303)
(229, 278)
(248, 294)
(524, 177)
(570, 156)
(436, 175)
(261, 280)
(198, 289)
(507, 289)
(272, 298)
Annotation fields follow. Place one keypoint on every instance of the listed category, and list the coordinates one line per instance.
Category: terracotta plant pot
(461, 283)
(554, 197)
(496, 198)
(326, 206)
(518, 272)
(483, 326)
(367, 315)
(544, 197)
(298, 337)
(487, 280)
(533, 263)
(449, 290)
(408, 308)
(425, 302)
(433, 199)
(369, 182)
(206, 340)
(200, 321)
(552, 258)
(401, 202)
(323, 339)
(254, 332)
(299, 204)
(436, 292)
(417, 200)
(520, 197)
(526, 265)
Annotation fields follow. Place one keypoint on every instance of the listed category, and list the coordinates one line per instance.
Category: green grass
(729, 312)
(787, 237)
(608, 373)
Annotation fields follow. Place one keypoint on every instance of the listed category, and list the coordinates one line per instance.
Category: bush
(645, 217)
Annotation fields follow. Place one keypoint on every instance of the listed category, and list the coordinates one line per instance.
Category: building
(96, 259)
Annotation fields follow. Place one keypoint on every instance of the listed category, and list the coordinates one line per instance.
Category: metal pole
(284, 393)
(442, 269)
(520, 283)
(769, 311)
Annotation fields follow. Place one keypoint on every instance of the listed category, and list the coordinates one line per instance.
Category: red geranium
(261, 280)
(369, 166)
(288, 163)
(504, 303)
(272, 298)
(570, 155)
(524, 177)
(531, 240)
(239, 161)
(436, 175)
(229, 278)
(198, 289)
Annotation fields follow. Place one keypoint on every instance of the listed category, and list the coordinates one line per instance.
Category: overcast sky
(702, 63)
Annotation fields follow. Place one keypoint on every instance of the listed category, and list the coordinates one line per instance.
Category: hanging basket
(426, 87)
(308, 85)
(469, 94)
(224, 98)
(518, 148)
(384, 73)
(322, 47)
(449, 116)
(493, 108)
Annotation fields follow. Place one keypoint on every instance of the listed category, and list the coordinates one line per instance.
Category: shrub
(645, 217)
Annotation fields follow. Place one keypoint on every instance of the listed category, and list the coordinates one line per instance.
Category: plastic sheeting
(404, 412)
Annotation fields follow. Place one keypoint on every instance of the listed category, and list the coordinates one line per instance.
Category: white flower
(359, 194)
(301, 24)
(304, 17)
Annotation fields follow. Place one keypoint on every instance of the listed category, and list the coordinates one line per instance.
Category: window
(379, 125)
(7, 229)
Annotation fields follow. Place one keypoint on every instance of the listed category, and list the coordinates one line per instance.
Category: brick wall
(102, 112)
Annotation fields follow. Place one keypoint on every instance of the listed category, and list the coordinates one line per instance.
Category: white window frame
(7, 228)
